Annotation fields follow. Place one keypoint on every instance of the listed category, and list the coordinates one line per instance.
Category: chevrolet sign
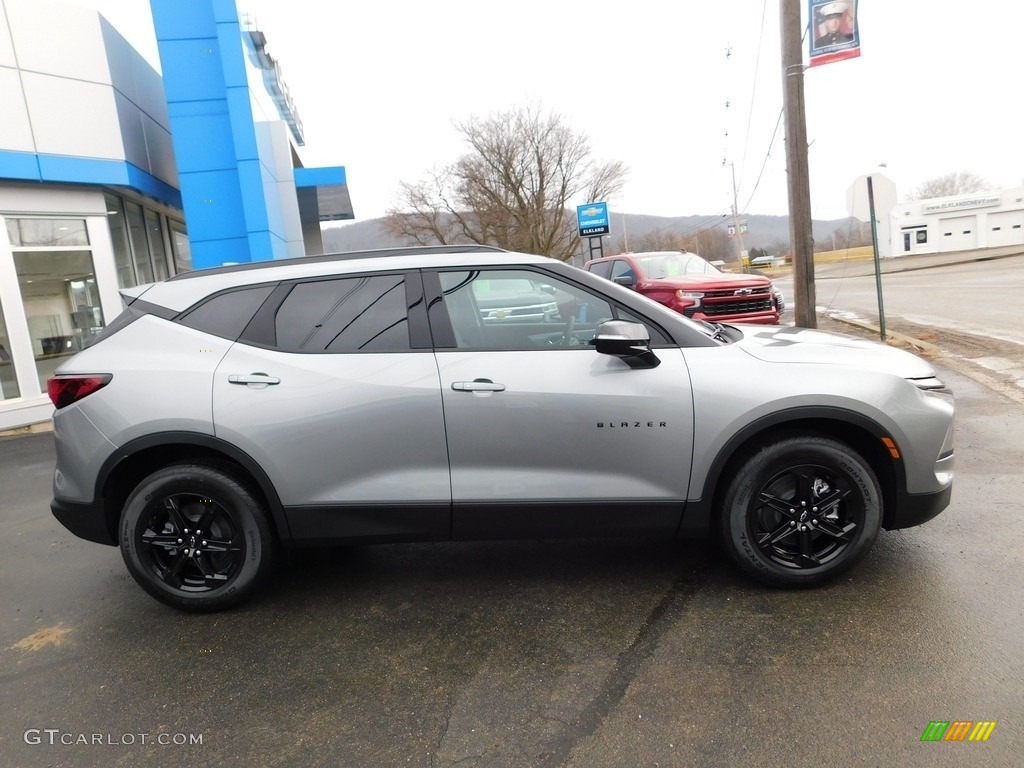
(592, 219)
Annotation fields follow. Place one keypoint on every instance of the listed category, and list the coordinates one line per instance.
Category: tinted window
(227, 314)
(353, 314)
(622, 268)
(601, 268)
(516, 309)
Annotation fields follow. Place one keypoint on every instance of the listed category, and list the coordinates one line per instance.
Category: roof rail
(343, 256)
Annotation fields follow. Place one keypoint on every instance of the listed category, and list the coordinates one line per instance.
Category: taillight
(65, 390)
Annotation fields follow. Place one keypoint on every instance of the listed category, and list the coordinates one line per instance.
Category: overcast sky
(379, 84)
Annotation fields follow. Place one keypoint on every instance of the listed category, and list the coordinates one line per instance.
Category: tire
(800, 511)
(196, 538)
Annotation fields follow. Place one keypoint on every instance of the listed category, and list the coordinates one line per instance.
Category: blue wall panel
(67, 169)
(209, 140)
(192, 69)
(229, 36)
(214, 253)
(213, 205)
(328, 176)
(230, 197)
(251, 182)
(22, 166)
(183, 19)
(243, 132)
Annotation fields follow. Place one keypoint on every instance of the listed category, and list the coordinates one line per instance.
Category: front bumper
(917, 508)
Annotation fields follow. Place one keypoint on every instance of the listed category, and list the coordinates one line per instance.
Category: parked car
(230, 412)
(691, 286)
(766, 261)
(514, 301)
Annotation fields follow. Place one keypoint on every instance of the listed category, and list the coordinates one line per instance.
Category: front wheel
(195, 538)
(800, 511)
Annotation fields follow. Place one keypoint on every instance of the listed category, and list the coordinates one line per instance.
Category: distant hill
(762, 231)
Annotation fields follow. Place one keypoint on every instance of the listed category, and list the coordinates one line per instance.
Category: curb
(924, 346)
(31, 429)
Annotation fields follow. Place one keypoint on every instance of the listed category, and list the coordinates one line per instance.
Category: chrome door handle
(477, 385)
(253, 378)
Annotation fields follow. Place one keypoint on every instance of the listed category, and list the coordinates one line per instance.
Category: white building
(113, 175)
(991, 219)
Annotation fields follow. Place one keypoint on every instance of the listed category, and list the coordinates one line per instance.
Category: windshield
(662, 265)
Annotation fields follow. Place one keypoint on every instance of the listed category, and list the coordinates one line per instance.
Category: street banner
(835, 34)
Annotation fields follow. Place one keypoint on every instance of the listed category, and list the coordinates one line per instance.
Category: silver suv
(230, 412)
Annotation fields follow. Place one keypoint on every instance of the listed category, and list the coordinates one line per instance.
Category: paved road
(581, 654)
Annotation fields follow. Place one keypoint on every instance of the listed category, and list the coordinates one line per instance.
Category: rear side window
(227, 314)
(352, 314)
(601, 268)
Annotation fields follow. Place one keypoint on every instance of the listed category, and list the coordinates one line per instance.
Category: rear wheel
(196, 538)
(800, 511)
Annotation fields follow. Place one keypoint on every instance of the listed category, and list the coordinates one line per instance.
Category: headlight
(933, 385)
(693, 297)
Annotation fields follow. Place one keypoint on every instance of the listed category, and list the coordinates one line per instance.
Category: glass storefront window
(47, 232)
(8, 374)
(140, 246)
(156, 244)
(182, 250)
(62, 305)
(119, 241)
(139, 236)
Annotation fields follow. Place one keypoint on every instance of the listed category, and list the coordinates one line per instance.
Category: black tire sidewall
(245, 511)
(766, 463)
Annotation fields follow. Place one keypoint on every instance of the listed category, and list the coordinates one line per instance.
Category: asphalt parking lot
(580, 653)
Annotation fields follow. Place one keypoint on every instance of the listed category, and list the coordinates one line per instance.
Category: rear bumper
(917, 508)
(86, 521)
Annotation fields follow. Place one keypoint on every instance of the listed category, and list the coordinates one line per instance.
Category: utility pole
(736, 221)
(796, 164)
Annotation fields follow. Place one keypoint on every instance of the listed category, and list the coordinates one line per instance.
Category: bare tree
(512, 189)
(712, 243)
(956, 183)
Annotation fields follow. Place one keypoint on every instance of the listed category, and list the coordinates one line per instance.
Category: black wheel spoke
(807, 556)
(172, 573)
(212, 578)
(206, 518)
(221, 545)
(178, 520)
(805, 483)
(165, 540)
(843, 533)
(782, 506)
(830, 503)
(767, 539)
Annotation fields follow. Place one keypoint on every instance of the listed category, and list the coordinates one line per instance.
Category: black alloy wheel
(801, 511)
(195, 538)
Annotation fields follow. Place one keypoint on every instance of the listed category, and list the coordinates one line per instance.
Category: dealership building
(113, 175)
(993, 219)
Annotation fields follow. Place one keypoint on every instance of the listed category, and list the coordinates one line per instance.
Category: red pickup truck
(690, 285)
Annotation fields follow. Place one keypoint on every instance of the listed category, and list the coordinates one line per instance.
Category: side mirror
(627, 280)
(630, 342)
